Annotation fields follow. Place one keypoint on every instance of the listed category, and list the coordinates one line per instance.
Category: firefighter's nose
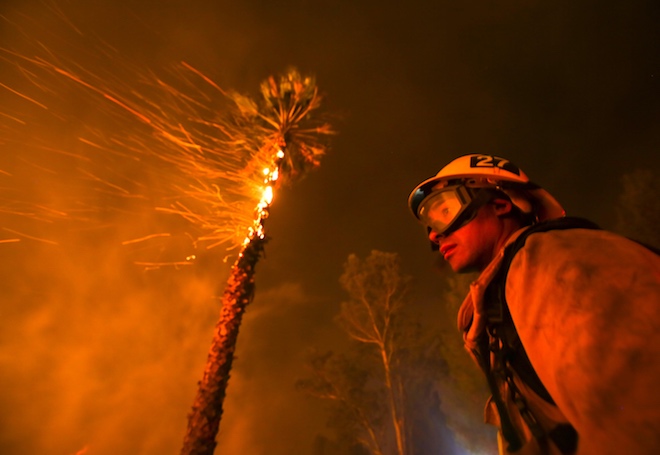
(434, 237)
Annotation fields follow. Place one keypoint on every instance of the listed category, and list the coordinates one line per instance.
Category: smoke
(100, 356)
(97, 353)
(106, 317)
(262, 406)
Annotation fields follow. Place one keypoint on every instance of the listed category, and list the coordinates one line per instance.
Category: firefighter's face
(472, 247)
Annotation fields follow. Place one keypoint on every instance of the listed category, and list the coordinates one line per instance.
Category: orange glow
(147, 180)
(116, 181)
(203, 175)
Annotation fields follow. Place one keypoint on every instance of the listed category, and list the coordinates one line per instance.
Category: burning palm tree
(284, 134)
(216, 168)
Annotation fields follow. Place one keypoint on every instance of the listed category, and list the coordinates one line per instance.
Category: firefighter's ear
(501, 206)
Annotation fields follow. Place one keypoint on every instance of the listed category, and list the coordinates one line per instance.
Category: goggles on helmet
(450, 208)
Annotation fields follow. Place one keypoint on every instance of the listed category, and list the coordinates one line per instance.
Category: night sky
(99, 355)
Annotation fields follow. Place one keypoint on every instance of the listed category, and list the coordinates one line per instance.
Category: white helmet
(458, 186)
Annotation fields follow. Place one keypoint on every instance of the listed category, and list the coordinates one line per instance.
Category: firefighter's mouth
(447, 250)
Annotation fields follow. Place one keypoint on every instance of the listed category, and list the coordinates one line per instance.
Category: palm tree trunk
(204, 419)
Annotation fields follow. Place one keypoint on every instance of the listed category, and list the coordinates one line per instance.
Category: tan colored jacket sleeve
(586, 305)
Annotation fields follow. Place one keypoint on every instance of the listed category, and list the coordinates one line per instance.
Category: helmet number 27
(493, 161)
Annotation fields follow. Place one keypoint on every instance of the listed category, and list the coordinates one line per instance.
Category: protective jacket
(584, 308)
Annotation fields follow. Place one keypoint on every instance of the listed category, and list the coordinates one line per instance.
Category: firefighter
(563, 319)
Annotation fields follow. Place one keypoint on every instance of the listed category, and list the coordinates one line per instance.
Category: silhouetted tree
(387, 379)
(358, 411)
(377, 292)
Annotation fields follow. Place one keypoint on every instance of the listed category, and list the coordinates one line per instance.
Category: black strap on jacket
(498, 310)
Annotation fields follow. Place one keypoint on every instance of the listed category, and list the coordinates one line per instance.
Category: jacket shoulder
(584, 303)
